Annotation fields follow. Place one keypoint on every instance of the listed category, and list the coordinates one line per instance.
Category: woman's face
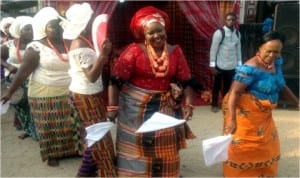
(155, 35)
(270, 51)
(27, 33)
(54, 30)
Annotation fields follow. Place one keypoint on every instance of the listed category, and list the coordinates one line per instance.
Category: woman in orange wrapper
(247, 107)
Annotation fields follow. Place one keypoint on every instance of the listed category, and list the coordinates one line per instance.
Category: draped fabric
(103, 7)
(236, 10)
(203, 16)
(152, 154)
(255, 148)
(99, 7)
(205, 19)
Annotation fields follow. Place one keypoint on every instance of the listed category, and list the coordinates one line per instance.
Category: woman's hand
(106, 48)
(5, 98)
(188, 112)
(230, 127)
(111, 115)
(213, 71)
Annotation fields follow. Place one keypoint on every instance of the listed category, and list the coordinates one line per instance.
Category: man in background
(225, 55)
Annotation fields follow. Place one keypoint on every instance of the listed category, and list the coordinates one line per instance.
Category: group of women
(65, 94)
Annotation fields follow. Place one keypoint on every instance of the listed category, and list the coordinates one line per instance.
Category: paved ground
(20, 158)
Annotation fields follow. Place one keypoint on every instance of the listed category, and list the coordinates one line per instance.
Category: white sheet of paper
(215, 150)
(97, 131)
(4, 107)
(159, 121)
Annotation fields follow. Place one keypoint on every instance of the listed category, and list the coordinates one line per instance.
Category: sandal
(53, 162)
(23, 136)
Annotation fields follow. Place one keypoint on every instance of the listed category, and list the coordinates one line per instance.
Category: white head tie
(20, 22)
(78, 16)
(4, 21)
(40, 21)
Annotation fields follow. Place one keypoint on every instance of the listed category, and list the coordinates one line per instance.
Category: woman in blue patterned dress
(247, 107)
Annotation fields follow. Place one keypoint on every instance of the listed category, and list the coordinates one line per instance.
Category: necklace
(266, 65)
(18, 51)
(57, 52)
(159, 65)
(86, 41)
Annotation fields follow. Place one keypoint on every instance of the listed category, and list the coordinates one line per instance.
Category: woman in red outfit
(139, 87)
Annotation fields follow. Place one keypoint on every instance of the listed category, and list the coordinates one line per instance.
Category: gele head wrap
(40, 21)
(19, 23)
(145, 16)
(4, 22)
(78, 16)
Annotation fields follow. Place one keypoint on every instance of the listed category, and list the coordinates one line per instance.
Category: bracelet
(190, 106)
(112, 108)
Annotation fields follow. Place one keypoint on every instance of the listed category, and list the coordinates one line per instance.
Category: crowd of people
(53, 59)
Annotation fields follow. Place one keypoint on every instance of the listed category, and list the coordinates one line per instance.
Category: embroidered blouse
(263, 85)
(134, 67)
(83, 58)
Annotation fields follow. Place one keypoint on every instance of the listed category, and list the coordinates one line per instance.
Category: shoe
(23, 136)
(214, 109)
(53, 162)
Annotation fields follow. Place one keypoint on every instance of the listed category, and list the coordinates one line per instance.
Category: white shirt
(228, 54)
(51, 70)
(83, 58)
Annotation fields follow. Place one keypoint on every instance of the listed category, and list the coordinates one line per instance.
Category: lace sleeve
(86, 58)
(36, 46)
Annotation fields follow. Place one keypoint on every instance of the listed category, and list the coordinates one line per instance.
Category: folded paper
(4, 107)
(215, 150)
(96, 132)
(159, 121)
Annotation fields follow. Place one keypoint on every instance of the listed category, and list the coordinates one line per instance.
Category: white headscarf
(20, 22)
(4, 21)
(40, 20)
(78, 16)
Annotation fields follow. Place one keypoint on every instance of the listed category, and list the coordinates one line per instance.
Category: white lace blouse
(83, 58)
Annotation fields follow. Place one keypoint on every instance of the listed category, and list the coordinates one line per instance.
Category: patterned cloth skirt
(152, 154)
(255, 149)
(55, 126)
(23, 114)
(99, 159)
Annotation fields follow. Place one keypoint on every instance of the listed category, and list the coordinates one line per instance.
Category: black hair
(272, 35)
(230, 14)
